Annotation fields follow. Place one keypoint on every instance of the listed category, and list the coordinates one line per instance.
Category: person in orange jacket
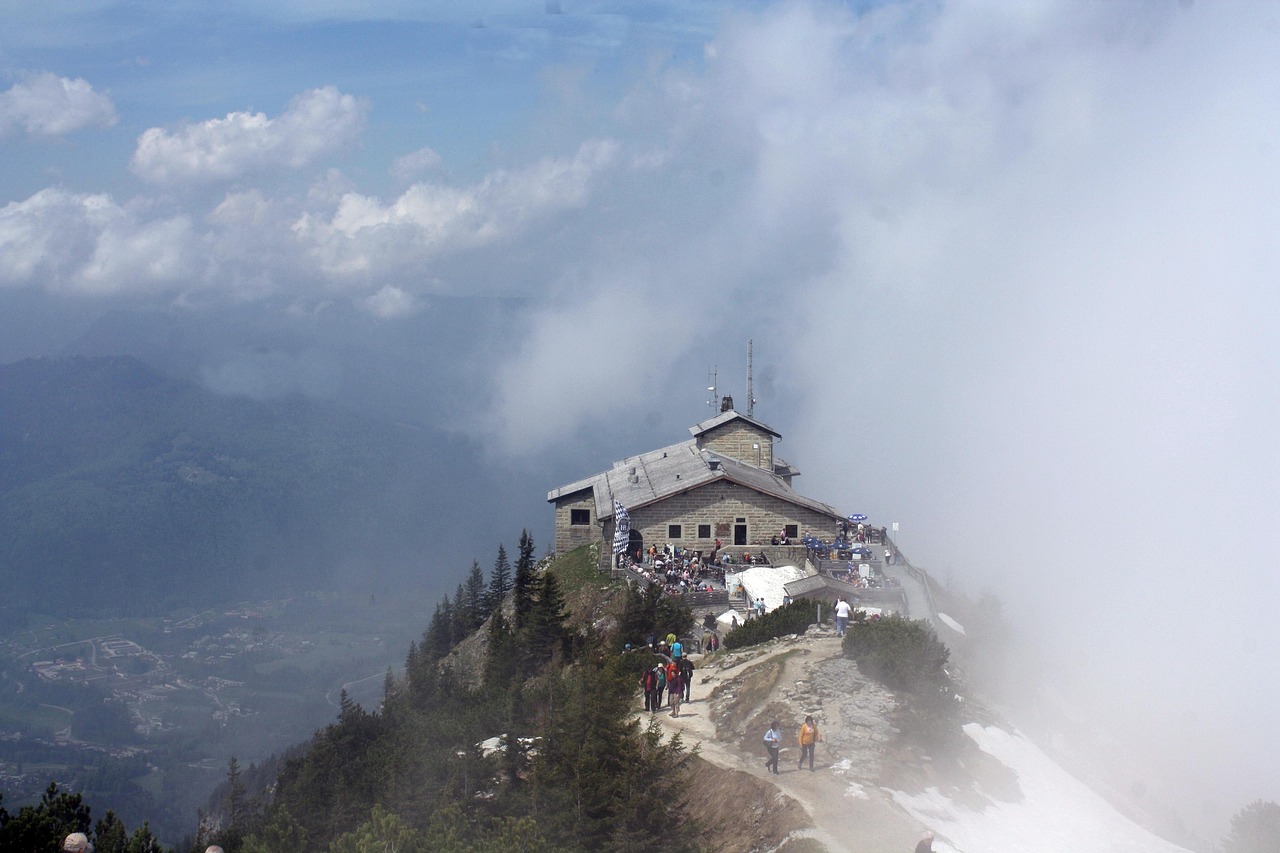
(808, 739)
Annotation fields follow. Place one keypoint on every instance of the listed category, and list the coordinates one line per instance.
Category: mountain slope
(125, 490)
(868, 795)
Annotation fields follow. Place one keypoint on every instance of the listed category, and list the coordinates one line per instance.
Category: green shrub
(793, 618)
(908, 657)
(900, 653)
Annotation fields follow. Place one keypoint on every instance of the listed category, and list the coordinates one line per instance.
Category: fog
(1008, 268)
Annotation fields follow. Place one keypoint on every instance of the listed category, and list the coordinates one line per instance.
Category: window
(579, 516)
(673, 531)
(793, 530)
(704, 531)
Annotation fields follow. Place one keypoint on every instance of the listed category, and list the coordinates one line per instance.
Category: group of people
(676, 569)
(808, 738)
(672, 676)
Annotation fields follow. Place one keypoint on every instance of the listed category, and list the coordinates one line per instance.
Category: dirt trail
(736, 694)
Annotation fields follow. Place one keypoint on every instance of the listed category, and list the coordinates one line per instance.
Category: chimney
(726, 404)
(713, 462)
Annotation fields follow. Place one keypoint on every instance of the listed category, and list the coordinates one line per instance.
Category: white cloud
(48, 105)
(364, 235)
(391, 302)
(89, 244)
(585, 360)
(422, 160)
(316, 123)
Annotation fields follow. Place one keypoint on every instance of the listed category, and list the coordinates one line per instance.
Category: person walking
(842, 616)
(675, 689)
(686, 677)
(772, 743)
(808, 740)
(649, 684)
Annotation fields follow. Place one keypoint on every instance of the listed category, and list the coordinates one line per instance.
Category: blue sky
(1014, 259)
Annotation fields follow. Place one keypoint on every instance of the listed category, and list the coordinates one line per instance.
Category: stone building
(723, 484)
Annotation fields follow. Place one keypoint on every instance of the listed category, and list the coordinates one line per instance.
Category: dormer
(734, 435)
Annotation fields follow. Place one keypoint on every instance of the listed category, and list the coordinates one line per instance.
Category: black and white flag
(621, 528)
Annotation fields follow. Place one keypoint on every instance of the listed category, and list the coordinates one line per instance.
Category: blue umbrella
(857, 516)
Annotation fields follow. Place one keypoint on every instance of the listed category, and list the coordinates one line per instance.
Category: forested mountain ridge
(141, 493)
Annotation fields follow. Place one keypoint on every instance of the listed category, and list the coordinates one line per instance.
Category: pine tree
(522, 586)
(477, 600)
(547, 620)
(460, 625)
(143, 841)
(1254, 829)
(503, 660)
(436, 641)
(110, 835)
(499, 581)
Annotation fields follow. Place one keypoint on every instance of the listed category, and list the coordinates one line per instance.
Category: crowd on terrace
(678, 570)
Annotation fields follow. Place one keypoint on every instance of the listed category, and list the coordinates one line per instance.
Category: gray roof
(731, 415)
(813, 583)
(640, 480)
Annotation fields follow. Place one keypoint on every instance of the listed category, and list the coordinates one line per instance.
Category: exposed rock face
(840, 807)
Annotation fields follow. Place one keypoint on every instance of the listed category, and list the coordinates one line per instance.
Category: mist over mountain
(126, 490)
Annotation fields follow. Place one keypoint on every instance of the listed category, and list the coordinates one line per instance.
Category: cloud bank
(45, 105)
(316, 123)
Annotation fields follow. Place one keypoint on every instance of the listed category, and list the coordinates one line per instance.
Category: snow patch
(1057, 814)
(952, 624)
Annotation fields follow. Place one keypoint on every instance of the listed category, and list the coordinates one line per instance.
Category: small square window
(579, 516)
(704, 531)
(673, 531)
(793, 531)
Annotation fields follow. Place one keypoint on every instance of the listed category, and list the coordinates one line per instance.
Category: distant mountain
(123, 490)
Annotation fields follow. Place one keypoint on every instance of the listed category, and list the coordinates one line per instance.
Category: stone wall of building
(718, 505)
(570, 535)
(735, 440)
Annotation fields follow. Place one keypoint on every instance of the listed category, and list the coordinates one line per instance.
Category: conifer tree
(460, 625)
(436, 639)
(477, 600)
(110, 835)
(522, 586)
(143, 841)
(503, 660)
(547, 618)
(499, 580)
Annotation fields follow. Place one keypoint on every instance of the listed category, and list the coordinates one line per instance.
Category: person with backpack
(660, 674)
(675, 689)
(686, 678)
(649, 684)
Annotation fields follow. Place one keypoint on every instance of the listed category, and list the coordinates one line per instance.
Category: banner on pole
(621, 528)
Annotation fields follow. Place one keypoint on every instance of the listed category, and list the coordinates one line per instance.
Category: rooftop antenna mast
(751, 392)
(714, 402)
